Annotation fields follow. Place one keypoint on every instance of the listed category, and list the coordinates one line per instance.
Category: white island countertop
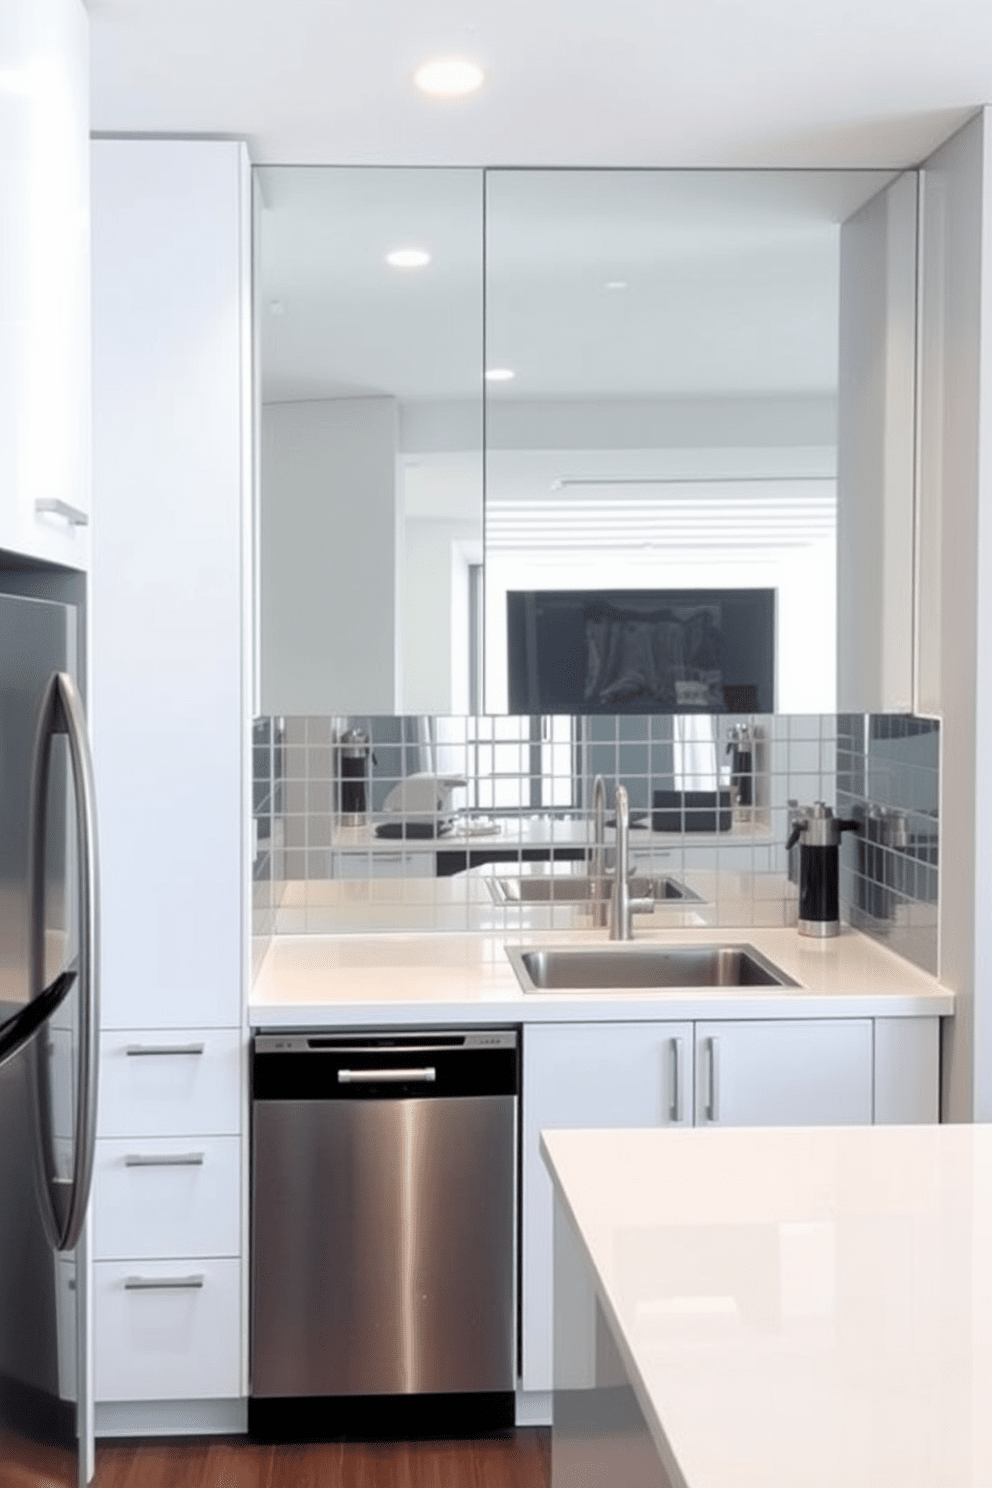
(315, 981)
(794, 1308)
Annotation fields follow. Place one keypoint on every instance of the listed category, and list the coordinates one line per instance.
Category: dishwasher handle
(394, 1076)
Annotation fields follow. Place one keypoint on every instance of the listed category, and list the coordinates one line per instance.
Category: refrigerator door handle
(21, 1029)
(62, 713)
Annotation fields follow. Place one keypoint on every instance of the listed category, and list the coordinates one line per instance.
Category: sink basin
(578, 888)
(568, 969)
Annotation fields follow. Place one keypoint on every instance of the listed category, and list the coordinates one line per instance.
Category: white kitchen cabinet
(167, 1330)
(154, 1084)
(171, 691)
(166, 1197)
(171, 480)
(803, 1072)
(398, 863)
(44, 281)
(786, 1072)
(586, 1075)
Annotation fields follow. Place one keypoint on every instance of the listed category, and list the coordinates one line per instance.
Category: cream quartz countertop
(318, 981)
(795, 1307)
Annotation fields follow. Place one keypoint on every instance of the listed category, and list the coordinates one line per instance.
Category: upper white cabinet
(44, 281)
(171, 463)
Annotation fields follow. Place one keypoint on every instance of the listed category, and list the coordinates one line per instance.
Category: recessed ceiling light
(616, 284)
(408, 258)
(500, 374)
(449, 77)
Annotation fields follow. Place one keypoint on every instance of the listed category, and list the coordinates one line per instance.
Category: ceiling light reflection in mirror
(678, 424)
(371, 437)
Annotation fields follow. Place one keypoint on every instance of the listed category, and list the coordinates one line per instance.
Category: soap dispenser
(817, 831)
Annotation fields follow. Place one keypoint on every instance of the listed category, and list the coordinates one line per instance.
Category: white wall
(329, 556)
(441, 506)
(876, 413)
(955, 603)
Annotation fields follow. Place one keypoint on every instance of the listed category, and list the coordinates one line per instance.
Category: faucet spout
(597, 865)
(622, 905)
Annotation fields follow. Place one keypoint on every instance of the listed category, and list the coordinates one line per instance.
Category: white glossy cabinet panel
(162, 1197)
(167, 1330)
(154, 1084)
(171, 576)
(170, 478)
(800, 1072)
(44, 280)
(586, 1075)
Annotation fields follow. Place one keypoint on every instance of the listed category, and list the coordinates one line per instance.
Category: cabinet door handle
(53, 506)
(164, 1160)
(675, 1110)
(713, 1080)
(393, 1076)
(163, 1283)
(136, 1050)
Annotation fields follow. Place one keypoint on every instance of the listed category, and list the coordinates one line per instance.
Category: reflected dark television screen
(641, 650)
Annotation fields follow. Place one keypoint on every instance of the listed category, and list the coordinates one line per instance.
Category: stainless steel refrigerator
(48, 1049)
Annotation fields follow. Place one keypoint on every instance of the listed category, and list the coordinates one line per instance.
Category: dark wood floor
(521, 1459)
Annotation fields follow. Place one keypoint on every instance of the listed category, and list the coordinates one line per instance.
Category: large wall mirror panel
(369, 305)
(661, 381)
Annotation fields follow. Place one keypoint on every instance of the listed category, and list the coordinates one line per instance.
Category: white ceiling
(635, 82)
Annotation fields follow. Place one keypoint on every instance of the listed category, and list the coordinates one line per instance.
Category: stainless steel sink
(573, 969)
(579, 888)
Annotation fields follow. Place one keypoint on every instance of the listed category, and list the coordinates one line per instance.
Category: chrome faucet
(622, 906)
(597, 864)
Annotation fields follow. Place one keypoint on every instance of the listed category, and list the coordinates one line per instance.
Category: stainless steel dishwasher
(384, 1214)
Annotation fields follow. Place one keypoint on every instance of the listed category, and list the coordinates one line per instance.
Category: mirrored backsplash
(372, 824)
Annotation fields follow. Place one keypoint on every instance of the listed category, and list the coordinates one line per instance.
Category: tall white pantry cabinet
(170, 698)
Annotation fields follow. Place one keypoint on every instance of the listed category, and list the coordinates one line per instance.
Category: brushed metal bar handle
(675, 1111)
(134, 1051)
(53, 507)
(713, 1092)
(393, 1076)
(163, 1283)
(62, 713)
(164, 1160)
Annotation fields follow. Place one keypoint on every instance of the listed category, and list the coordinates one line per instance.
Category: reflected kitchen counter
(774, 1307)
(539, 830)
(424, 977)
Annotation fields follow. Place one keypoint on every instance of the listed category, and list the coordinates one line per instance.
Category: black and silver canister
(353, 763)
(741, 750)
(817, 831)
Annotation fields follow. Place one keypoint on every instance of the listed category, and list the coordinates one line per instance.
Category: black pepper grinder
(817, 831)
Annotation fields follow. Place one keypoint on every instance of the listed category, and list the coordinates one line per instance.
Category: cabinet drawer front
(154, 1084)
(163, 1197)
(167, 1330)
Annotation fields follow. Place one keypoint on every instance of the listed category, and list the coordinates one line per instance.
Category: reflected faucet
(597, 865)
(622, 906)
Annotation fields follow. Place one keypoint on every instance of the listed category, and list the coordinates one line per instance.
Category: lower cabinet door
(167, 1330)
(799, 1072)
(586, 1075)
